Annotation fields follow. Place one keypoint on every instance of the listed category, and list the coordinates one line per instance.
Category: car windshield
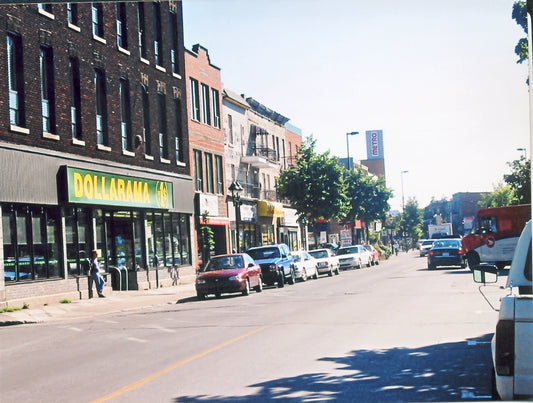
(264, 253)
(345, 251)
(427, 242)
(447, 244)
(318, 253)
(224, 263)
(296, 257)
(368, 247)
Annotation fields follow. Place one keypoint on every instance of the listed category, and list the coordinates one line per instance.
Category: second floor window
(219, 174)
(163, 139)
(179, 130)
(122, 26)
(147, 135)
(15, 78)
(101, 107)
(97, 14)
(195, 100)
(75, 99)
(125, 115)
(198, 171)
(230, 129)
(46, 66)
(209, 173)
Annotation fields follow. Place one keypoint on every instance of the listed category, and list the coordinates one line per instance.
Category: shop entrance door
(119, 231)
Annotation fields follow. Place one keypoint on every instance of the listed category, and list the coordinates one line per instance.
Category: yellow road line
(155, 375)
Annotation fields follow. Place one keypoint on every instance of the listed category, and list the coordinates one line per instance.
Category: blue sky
(439, 78)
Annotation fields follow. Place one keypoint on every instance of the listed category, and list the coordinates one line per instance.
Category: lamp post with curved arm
(235, 189)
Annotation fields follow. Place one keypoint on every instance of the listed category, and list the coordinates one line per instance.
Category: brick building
(93, 148)
(206, 142)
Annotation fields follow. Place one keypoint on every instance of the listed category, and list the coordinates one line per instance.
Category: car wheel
(316, 273)
(431, 266)
(218, 294)
(259, 286)
(281, 280)
(330, 272)
(200, 296)
(360, 264)
(376, 262)
(304, 275)
(337, 272)
(246, 290)
(291, 278)
(369, 263)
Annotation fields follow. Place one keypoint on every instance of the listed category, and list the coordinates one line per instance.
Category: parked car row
(276, 264)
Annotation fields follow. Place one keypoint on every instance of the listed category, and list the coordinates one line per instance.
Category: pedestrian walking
(396, 248)
(95, 274)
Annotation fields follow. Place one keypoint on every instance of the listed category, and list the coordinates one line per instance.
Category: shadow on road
(458, 371)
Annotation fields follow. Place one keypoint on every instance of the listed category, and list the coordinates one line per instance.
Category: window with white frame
(72, 13)
(141, 33)
(219, 172)
(75, 98)
(97, 15)
(125, 115)
(15, 78)
(46, 67)
(163, 135)
(174, 49)
(122, 26)
(195, 100)
(216, 107)
(209, 173)
(206, 105)
(158, 34)
(101, 107)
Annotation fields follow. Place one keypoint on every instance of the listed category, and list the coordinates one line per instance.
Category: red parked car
(229, 274)
(375, 254)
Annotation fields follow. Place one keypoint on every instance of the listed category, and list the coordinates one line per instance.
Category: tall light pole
(235, 188)
(403, 200)
(348, 146)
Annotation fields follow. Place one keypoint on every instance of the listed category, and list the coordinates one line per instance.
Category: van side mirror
(485, 273)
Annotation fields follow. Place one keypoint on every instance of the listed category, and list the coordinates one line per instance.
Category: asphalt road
(394, 332)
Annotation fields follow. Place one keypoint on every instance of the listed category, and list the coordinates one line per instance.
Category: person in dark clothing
(95, 274)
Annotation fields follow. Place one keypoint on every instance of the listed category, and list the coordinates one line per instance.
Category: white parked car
(328, 263)
(512, 352)
(305, 265)
(425, 246)
(354, 256)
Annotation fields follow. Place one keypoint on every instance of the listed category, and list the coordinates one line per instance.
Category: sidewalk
(118, 301)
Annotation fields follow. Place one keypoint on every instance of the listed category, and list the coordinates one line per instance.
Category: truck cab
(494, 235)
(512, 352)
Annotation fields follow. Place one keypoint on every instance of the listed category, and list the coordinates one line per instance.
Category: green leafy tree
(315, 185)
(412, 220)
(520, 179)
(501, 196)
(207, 237)
(368, 196)
(520, 16)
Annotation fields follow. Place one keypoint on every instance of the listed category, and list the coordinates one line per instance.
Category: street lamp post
(403, 200)
(235, 188)
(348, 146)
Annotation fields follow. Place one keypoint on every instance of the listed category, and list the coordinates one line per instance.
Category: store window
(78, 239)
(168, 239)
(31, 247)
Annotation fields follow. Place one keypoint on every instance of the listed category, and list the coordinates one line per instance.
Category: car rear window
(264, 253)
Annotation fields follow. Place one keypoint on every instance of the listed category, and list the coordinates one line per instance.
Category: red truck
(494, 235)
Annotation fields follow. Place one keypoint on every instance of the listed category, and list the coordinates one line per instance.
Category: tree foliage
(501, 196)
(520, 16)
(412, 220)
(315, 186)
(519, 179)
(368, 196)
